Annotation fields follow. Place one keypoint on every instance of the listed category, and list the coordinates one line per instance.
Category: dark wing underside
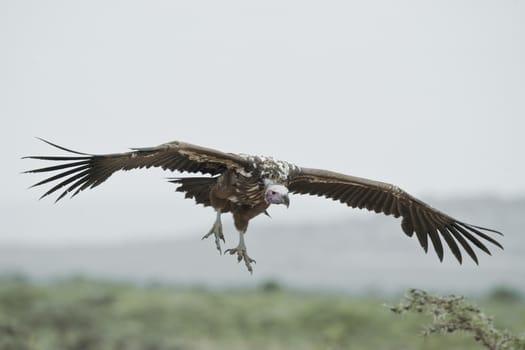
(80, 171)
(380, 197)
(197, 188)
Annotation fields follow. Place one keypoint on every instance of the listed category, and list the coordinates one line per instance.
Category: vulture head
(277, 194)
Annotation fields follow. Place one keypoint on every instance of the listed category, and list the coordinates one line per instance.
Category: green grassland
(84, 314)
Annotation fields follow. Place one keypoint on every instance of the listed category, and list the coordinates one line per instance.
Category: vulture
(246, 185)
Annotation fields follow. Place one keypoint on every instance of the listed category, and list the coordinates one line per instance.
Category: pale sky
(429, 95)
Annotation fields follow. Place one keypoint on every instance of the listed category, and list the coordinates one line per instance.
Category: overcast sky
(429, 95)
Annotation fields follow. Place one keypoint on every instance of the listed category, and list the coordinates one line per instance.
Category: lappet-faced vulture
(247, 185)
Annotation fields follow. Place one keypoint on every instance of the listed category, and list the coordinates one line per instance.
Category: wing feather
(387, 205)
(417, 217)
(82, 171)
(471, 238)
(365, 198)
(421, 234)
(60, 175)
(450, 242)
(376, 201)
(339, 192)
(463, 243)
(434, 236)
(357, 196)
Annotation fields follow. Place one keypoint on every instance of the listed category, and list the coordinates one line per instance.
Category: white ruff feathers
(270, 168)
(277, 188)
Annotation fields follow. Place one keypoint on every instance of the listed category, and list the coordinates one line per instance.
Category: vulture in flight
(246, 185)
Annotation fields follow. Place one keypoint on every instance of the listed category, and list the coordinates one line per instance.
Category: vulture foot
(216, 230)
(242, 254)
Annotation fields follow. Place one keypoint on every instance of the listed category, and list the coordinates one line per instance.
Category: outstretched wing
(381, 197)
(80, 171)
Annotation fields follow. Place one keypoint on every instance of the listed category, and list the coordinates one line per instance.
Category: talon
(242, 255)
(216, 230)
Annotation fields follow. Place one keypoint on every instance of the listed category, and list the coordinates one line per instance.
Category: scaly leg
(216, 230)
(242, 253)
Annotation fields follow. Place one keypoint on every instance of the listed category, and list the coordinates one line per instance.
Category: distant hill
(358, 255)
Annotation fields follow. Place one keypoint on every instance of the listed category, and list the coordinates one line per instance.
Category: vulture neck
(269, 182)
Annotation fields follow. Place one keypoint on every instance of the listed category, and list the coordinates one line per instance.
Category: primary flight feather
(247, 185)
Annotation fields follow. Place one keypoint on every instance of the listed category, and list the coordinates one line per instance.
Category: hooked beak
(285, 200)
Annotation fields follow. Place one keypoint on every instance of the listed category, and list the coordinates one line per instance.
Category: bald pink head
(277, 194)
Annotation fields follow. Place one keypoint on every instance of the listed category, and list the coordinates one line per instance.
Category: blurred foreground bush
(454, 314)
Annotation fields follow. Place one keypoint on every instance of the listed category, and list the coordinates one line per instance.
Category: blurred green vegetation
(82, 314)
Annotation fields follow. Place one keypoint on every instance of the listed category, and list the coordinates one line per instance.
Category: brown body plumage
(230, 192)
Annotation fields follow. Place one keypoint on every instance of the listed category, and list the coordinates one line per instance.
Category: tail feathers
(197, 188)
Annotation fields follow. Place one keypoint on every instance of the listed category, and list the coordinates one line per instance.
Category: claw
(242, 254)
(216, 230)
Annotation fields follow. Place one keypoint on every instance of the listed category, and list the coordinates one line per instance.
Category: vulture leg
(242, 253)
(216, 230)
